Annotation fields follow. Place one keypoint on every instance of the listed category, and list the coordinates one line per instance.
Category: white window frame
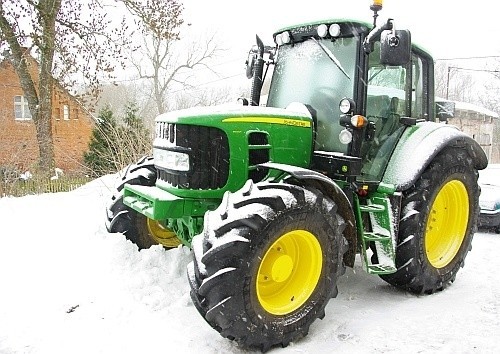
(21, 109)
(65, 112)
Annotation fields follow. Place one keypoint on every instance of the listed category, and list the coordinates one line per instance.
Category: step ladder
(382, 235)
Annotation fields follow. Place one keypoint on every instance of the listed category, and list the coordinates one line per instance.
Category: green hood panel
(255, 135)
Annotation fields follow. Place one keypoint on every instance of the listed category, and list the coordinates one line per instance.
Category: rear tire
(438, 220)
(137, 228)
(267, 263)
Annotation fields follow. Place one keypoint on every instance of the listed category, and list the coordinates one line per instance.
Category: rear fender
(333, 191)
(417, 147)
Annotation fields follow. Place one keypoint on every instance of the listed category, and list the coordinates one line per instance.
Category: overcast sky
(447, 28)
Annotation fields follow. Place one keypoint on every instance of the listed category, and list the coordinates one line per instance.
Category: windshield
(319, 73)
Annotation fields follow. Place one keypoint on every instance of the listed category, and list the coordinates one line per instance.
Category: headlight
(347, 105)
(172, 160)
(345, 137)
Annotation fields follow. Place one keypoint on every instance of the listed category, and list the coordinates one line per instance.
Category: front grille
(208, 151)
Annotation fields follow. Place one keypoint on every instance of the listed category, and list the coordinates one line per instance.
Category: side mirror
(252, 57)
(395, 47)
(445, 110)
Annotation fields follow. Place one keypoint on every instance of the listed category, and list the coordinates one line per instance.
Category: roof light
(322, 30)
(278, 40)
(285, 37)
(334, 30)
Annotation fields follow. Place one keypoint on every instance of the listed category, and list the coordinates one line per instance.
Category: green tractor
(350, 155)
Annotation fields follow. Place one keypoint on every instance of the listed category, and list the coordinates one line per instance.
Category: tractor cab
(362, 86)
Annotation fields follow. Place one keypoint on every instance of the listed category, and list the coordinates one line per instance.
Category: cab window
(392, 92)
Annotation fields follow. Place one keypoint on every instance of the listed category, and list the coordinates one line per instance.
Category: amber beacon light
(376, 5)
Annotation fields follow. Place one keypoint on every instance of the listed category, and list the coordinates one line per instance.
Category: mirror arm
(375, 34)
(257, 76)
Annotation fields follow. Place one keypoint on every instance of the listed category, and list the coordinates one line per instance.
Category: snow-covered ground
(67, 286)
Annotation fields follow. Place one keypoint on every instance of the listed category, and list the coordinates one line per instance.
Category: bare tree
(441, 78)
(454, 82)
(74, 41)
(162, 66)
(210, 96)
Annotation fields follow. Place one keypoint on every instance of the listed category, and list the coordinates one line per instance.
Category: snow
(231, 110)
(67, 286)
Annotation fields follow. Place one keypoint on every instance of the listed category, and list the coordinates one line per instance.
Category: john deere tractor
(345, 153)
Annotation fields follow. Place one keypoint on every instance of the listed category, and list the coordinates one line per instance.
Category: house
(479, 123)
(71, 126)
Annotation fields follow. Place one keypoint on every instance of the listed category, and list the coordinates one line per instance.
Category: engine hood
(294, 115)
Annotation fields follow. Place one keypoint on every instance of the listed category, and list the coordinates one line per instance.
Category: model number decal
(271, 120)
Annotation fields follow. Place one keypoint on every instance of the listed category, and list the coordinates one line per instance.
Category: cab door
(392, 92)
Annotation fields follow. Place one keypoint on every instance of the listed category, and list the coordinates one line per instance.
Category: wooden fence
(20, 188)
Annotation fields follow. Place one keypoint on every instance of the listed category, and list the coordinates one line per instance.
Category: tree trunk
(43, 124)
(39, 101)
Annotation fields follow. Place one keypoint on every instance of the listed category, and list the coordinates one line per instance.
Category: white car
(489, 200)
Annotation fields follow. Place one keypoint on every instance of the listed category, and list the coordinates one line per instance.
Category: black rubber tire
(121, 218)
(229, 251)
(415, 272)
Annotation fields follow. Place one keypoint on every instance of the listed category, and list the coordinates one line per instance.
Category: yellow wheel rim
(289, 272)
(161, 234)
(447, 224)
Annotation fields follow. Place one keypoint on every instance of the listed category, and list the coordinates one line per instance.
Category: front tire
(137, 228)
(439, 215)
(267, 262)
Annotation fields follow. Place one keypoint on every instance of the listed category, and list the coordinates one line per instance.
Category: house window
(484, 139)
(21, 109)
(65, 112)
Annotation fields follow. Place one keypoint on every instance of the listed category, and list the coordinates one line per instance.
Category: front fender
(417, 147)
(333, 191)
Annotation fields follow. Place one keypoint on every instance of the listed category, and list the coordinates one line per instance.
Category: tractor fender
(333, 191)
(419, 144)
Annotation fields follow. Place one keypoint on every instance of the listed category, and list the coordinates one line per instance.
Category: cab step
(381, 239)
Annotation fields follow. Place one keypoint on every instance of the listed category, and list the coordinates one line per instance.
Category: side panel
(417, 147)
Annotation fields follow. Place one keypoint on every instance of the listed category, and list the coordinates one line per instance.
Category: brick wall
(71, 128)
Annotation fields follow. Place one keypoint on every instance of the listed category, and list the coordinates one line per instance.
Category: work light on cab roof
(333, 30)
(283, 38)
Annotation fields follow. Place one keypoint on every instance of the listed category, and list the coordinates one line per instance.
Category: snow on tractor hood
(296, 111)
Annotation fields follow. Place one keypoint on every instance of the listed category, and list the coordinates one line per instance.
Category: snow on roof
(464, 106)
